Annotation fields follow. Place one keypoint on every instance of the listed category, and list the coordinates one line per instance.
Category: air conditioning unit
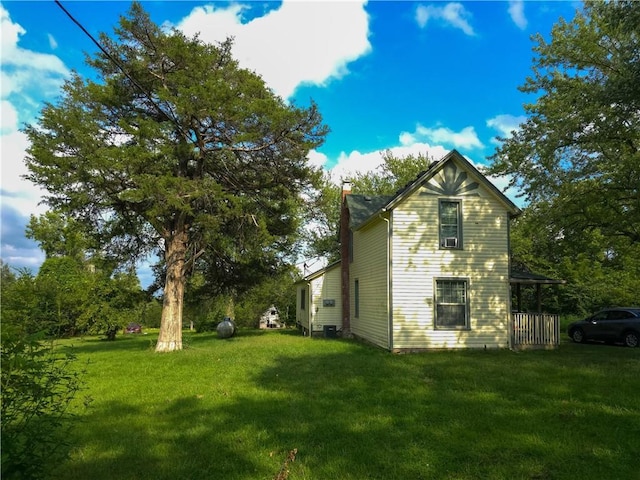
(451, 242)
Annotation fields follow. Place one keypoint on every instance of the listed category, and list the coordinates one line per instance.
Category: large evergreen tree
(578, 153)
(175, 148)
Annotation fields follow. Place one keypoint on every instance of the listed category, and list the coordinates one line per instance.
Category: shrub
(37, 387)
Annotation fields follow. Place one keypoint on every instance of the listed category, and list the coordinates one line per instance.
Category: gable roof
(363, 208)
(319, 273)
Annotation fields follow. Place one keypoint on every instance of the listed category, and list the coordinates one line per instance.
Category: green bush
(37, 387)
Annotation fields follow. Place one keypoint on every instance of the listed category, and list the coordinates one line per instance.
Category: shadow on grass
(452, 415)
(247, 332)
(144, 341)
(137, 342)
(176, 446)
(363, 413)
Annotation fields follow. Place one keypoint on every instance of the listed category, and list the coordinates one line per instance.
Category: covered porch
(536, 329)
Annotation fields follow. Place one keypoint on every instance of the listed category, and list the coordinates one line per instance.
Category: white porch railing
(536, 330)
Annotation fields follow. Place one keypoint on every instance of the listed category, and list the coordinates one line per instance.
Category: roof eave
(319, 273)
(374, 216)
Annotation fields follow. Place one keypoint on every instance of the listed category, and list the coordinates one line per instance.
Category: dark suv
(609, 325)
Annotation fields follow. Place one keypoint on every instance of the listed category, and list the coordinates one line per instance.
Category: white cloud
(17, 192)
(23, 72)
(516, 11)
(505, 125)
(26, 78)
(19, 199)
(467, 138)
(299, 43)
(512, 193)
(52, 42)
(9, 33)
(16, 257)
(16, 56)
(317, 159)
(453, 14)
(8, 117)
(347, 165)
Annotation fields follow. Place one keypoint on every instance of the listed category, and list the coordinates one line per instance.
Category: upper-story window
(450, 224)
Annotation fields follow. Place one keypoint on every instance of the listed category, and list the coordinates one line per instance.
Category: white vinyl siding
(418, 259)
(302, 311)
(319, 300)
(370, 267)
(326, 287)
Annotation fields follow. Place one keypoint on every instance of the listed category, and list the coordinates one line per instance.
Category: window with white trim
(450, 218)
(452, 304)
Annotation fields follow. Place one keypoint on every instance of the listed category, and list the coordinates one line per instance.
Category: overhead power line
(117, 63)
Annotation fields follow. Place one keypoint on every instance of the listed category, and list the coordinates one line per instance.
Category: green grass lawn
(234, 409)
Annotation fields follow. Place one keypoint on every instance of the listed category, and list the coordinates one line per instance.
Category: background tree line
(80, 292)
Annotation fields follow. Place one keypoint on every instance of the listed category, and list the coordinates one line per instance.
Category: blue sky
(413, 77)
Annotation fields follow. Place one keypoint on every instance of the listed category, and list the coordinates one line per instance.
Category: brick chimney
(345, 259)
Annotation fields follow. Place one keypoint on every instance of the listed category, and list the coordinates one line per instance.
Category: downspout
(309, 311)
(344, 261)
(389, 282)
(510, 321)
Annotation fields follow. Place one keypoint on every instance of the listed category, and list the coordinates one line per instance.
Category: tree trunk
(170, 337)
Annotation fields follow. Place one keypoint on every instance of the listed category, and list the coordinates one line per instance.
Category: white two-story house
(425, 268)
